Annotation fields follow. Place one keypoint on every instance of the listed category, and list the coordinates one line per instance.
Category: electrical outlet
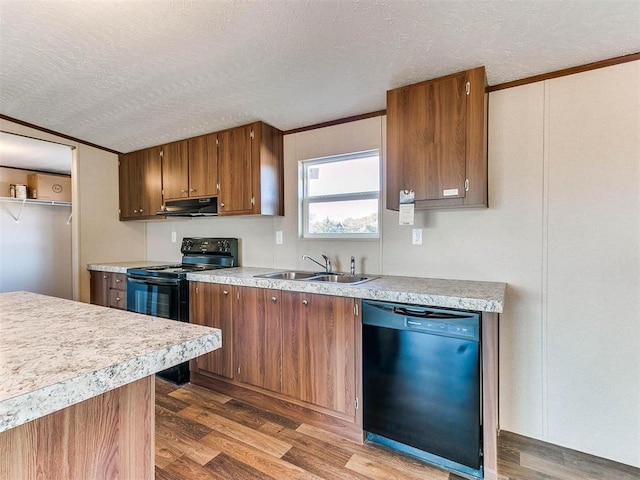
(416, 236)
(174, 237)
(279, 237)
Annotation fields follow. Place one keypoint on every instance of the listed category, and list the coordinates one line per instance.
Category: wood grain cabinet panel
(437, 141)
(210, 304)
(203, 166)
(243, 166)
(99, 283)
(108, 289)
(257, 333)
(250, 168)
(318, 350)
(140, 184)
(234, 157)
(175, 170)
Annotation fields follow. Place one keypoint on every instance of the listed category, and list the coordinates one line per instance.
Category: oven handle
(153, 280)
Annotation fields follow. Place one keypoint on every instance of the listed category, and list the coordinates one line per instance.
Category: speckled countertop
(462, 294)
(121, 267)
(55, 352)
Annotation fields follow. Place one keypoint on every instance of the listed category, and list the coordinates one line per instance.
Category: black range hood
(190, 207)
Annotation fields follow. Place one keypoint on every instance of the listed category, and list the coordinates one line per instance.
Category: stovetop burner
(198, 254)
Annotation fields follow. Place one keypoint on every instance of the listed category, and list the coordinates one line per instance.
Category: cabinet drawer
(119, 281)
(118, 299)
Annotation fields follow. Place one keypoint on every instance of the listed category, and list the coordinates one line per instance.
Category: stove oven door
(160, 297)
(166, 298)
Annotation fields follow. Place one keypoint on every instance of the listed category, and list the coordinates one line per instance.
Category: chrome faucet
(352, 269)
(327, 262)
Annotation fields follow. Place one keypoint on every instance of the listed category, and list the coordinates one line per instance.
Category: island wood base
(108, 436)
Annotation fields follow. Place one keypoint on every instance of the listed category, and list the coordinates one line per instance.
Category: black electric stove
(163, 290)
(197, 254)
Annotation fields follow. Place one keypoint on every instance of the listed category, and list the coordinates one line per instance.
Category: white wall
(562, 230)
(97, 234)
(591, 291)
(35, 252)
(257, 233)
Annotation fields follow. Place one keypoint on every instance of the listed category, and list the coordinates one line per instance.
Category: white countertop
(121, 267)
(435, 292)
(56, 352)
(461, 294)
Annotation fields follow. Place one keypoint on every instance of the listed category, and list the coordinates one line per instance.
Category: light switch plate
(174, 237)
(278, 237)
(416, 236)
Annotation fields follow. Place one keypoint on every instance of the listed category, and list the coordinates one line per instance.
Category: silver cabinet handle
(135, 211)
(117, 299)
(222, 204)
(118, 280)
(305, 302)
(192, 190)
(105, 276)
(224, 292)
(141, 210)
(273, 299)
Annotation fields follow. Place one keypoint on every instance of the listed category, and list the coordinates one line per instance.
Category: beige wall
(97, 234)
(562, 230)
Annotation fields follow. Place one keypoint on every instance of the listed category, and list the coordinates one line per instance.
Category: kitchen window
(340, 196)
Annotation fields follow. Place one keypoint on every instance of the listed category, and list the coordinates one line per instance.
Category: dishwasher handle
(419, 319)
(426, 313)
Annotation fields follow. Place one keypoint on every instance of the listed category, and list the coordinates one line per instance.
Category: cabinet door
(151, 183)
(235, 171)
(210, 304)
(129, 171)
(318, 355)
(140, 184)
(257, 337)
(203, 166)
(175, 170)
(426, 140)
(99, 283)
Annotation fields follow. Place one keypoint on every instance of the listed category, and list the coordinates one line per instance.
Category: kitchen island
(77, 386)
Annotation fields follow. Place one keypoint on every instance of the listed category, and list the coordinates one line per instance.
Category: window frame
(305, 200)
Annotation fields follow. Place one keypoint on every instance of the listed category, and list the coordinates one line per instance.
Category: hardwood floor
(201, 434)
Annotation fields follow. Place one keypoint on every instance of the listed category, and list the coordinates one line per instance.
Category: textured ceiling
(131, 74)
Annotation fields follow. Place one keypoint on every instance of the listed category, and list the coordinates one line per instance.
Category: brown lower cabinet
(292, 348)
(108, 289)
(257, 337)
(318, 364)
(210, 305)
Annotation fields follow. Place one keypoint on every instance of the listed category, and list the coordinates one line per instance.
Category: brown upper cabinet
(242, 166)
(140, 187)
(437, 141)
(203, 166)
(250, 166)
(190, 168)
(175, 170)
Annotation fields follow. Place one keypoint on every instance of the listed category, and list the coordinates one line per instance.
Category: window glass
(341, 196)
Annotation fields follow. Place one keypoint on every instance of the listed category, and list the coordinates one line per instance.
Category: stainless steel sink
(315, 277)
(288, 275)
(333, 278)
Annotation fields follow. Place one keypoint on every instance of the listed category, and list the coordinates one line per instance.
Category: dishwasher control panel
(432, 326)
(431, 320)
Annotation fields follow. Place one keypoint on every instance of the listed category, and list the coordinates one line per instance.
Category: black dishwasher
(421, 383)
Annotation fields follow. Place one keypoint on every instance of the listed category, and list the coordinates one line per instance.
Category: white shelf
(34, 201)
